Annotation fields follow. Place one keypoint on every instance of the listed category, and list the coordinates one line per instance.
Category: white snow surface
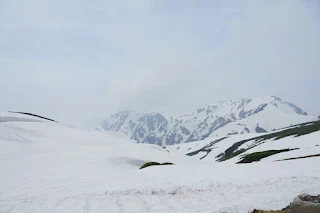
(307, 145)
(269, 119)
(50, 167)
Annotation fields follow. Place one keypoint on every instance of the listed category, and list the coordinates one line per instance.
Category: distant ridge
(34, 115)
(258, 115)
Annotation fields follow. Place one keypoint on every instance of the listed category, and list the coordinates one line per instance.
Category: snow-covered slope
(214, 148)
(50, 167)
(229, 117)
(265, 121)
(6, 116)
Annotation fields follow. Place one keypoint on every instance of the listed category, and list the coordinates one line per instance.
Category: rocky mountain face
(229, 117)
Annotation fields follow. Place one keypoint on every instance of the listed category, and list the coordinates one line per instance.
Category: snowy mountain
(229, 117)
(50, 167)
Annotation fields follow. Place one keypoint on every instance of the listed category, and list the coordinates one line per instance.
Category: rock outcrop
(303, 203)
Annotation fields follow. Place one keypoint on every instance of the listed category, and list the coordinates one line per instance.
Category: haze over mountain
(63, 59)
(229, 117)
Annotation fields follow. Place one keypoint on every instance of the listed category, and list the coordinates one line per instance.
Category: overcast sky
(77, 59)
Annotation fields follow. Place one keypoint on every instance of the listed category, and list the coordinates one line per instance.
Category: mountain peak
(227, 117)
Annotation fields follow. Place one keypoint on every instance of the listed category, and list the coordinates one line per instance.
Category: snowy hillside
(265, 121)
(229, 117)
(49, 167)
(297, 141)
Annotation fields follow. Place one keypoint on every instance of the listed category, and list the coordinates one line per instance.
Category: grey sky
(73, 60)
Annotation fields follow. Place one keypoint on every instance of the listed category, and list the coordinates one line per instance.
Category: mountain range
(226, 118)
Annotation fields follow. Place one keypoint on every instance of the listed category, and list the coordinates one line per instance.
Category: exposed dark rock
(295, 108)
(200, 110)
(232, 133)
(185, 130)
(132, 124)
(260, 108)
(260, 130)
(34, 115)
(243, 114)
(303, 203)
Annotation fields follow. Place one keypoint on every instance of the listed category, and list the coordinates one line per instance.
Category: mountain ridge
(239, 116)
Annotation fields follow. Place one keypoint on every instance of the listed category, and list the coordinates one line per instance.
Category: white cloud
(94, 58)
